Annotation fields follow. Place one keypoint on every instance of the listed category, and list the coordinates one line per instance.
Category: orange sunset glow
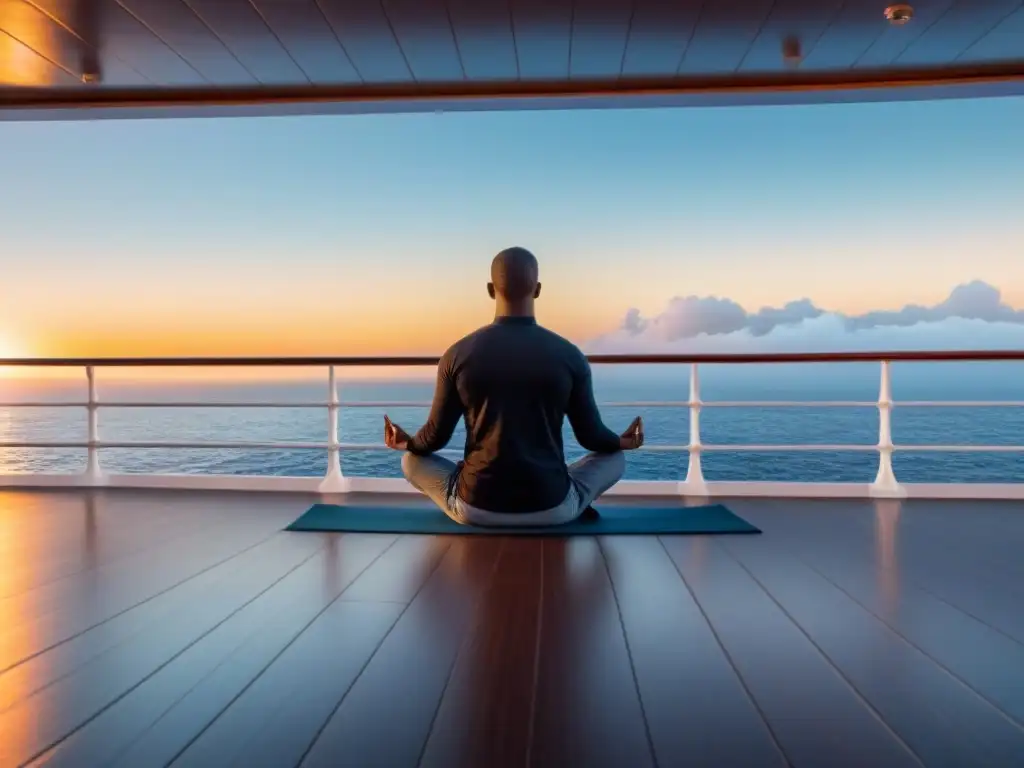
(373, 236)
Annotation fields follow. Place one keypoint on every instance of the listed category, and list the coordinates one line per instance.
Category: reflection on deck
(142, 628)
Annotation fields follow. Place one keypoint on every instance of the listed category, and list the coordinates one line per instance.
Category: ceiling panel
(366, 34)
(30, 26)
(80, 20)
(303, 29)
(1004, 43)
(68, 35)
(118, 74)
(378, 53)
(724, 34)
(246, 34)
(85, 21)
(187, 35)
(424, 33)
(132, 41)
(543, 30)
(848, 36)
(894, 40)
(804, 20)
(658, 36)
(600, 30)
(483, 32)
(962, 26)
(21, 65)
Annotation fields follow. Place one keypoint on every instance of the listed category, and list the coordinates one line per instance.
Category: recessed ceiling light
(899, 14)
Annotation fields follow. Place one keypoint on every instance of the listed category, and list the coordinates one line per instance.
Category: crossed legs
(591, 476)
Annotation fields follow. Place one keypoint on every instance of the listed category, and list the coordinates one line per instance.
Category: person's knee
(617, 464)
(409, 464)
(608, 468)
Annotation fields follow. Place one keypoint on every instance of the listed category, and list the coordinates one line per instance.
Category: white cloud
(973, 316)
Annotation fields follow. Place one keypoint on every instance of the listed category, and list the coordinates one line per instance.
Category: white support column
(334, 481)
(694, 485)
(885, 485)
(93, 471)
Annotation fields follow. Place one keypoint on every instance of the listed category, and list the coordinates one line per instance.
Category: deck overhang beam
(768, 89)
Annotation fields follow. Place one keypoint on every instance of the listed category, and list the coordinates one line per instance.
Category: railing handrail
(885, 484)
(964, 355)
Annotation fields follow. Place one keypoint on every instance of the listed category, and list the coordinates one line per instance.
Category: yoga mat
(714, 518)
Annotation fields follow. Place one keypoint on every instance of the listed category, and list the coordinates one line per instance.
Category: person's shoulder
(465, 344)
(565, 347)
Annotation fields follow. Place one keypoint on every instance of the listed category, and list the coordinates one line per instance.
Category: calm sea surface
(664, 426)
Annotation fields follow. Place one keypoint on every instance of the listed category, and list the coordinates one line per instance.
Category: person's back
(514, 382)
(517, 382)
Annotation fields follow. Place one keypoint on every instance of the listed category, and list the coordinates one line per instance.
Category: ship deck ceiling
(141, 628)
(178, 57)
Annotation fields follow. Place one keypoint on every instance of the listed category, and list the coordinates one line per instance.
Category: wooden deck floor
(150, 629)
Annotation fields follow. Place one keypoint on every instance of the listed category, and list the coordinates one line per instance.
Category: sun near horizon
(11, 347)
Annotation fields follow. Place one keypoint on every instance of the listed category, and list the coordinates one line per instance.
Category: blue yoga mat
(714, 518)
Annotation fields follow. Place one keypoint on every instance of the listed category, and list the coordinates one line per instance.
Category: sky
(655, 229)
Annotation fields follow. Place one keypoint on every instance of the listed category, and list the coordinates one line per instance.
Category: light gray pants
(591, 476)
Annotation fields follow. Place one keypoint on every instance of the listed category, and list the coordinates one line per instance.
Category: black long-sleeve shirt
(514, 382)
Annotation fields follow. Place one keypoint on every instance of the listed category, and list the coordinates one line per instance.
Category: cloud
(971, 301)
(974, 315)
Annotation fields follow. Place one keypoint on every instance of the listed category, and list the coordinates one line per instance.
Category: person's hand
(633, 437)
(394, 436)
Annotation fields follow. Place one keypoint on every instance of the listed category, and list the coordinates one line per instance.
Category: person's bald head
(514, 276)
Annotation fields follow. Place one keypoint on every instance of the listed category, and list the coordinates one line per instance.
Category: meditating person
(514, 382)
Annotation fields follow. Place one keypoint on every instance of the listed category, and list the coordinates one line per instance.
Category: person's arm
(585, 418)
(444, 413)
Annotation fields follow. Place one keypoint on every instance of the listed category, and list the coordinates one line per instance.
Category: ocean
(983, 382)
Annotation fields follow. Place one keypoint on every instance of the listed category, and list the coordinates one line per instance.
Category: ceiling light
(899, 15)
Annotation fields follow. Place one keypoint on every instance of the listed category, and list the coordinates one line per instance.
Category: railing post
(334, 481)
(885, 484)
(93, 471)
(694, 485)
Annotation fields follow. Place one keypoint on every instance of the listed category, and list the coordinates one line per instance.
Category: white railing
(885, 485)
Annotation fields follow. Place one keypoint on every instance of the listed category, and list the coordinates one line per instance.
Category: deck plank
(34, 522)
(957, 727)
(87, 536)
(588, 709)
(935, 552)
(186, 626)
(865, 567)
(817, 717)
(968, 527)
(973, 555)
(675, 652)
(276, 720)
(384, 719)
(37, 723)
(486, 713)
(200, 675)
(879, 533)
(43, 599)
(35, 622)
(188, 717)
(64, 659)
(402, 571)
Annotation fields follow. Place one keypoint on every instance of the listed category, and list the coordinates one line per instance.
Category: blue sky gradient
(298, 234)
